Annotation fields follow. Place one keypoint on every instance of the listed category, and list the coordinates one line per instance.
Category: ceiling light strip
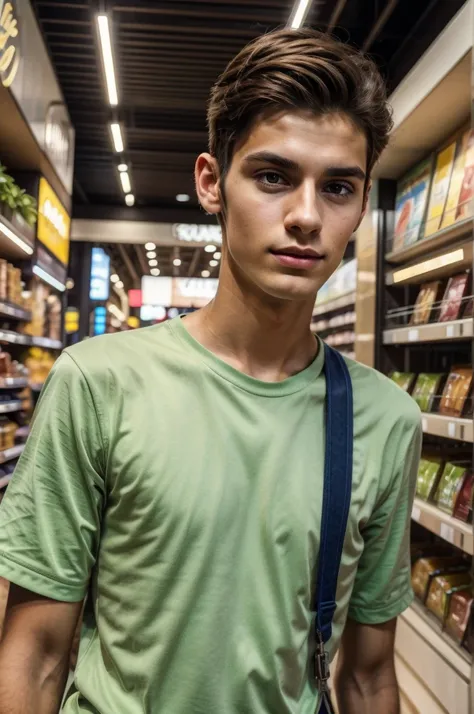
(441, 261)
(107, 58)
(117, 137)
(299, 14)
(48, 278)
(15, 239)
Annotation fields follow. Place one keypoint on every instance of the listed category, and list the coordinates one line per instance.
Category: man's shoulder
(122, 350)
(380, 394)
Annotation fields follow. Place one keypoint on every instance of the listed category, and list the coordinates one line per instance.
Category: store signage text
(53, 223)
(9, 51)
(195, 233)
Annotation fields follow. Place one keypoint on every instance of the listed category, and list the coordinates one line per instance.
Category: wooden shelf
(441, 524)
(338, 303)
(448, 427)
(436, 332)
(438, 240)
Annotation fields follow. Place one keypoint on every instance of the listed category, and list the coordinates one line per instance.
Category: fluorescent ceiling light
(48, 278)
(213, 263)
(155, 272)
(210, 248)
(151, 254)
(107, 58)
(298, 17)
(15, 239)
(117, 312)
(150, 246)
(217, 255)
(119, 285)
(122, 167)
(117, 137)
(182, 197)
(130, 199)
(125, 180)
(441, 261)
(205, 273)
(153, 263)
(114, 278)
(177, 262)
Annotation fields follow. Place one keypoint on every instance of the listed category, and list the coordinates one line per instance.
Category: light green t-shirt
(186, 497)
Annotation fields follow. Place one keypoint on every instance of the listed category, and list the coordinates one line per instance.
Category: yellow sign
(71, 320)
(133, 322)
(9, 52)
(54, 224)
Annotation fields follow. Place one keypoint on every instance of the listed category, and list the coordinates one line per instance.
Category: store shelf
(47, 343)
(10, 454)
(23, 432)
(12, 243)
(448, 427)
(13, 383)
(14, 312)
(15, 338)
(436, 332)
(10, 407)
(441, 524)
(438, 240)
(37, 387)
(5, 480)
(338, 303)
(431, 664)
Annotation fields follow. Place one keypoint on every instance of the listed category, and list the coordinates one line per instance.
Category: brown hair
(297, 69)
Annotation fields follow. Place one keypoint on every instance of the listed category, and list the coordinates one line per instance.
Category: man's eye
(271, 178)
(339, 188)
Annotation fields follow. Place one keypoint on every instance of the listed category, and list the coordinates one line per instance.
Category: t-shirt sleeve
(50, 516)
(382, 588)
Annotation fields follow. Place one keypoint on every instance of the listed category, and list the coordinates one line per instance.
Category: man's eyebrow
(270, 158)
(345, 171)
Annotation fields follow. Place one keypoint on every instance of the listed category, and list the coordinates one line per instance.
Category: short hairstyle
(297, 69)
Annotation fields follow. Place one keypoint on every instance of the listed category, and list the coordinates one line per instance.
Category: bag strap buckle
(321, 665)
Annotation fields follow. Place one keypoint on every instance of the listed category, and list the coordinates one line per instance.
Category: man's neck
(269, 339)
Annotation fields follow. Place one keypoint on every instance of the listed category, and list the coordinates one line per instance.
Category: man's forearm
(27, 687)
(358, 694)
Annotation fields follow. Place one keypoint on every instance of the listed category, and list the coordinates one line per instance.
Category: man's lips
(297, 259)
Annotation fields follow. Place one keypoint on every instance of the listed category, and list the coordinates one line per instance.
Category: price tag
(449, 331)
(446, 532)
(416, 513)
(424, 424)
(413, 335)
(451, 429)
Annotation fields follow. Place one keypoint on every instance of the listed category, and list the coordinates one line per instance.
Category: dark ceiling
(168, 54)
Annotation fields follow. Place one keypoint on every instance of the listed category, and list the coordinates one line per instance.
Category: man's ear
(207, 178)
(365, 204)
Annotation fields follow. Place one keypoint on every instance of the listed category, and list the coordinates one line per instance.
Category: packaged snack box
(429, 472)
(440, 188)
(441, 591)
(458, 614)
(405, 380)
(411, 204)
(467, 189)
(450, 210)
(449, 487)
(453, 297)
(456, 390)
(463, 507)
(427, 297)
(426, 388)
(425, 569)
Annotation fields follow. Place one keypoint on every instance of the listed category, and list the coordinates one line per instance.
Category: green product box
(403, 379)
(426, 388)
(427, 480)
(449, 487)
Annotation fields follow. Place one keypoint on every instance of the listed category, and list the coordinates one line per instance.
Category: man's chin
(291, 288)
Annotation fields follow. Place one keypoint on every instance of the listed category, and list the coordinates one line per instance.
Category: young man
(176, 473)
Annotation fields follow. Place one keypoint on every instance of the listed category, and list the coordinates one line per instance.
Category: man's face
(294, 194)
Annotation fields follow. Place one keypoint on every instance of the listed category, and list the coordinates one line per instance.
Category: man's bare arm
(365, 680)
(34, 652)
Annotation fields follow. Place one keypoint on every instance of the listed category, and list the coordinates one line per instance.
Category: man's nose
(304, 215)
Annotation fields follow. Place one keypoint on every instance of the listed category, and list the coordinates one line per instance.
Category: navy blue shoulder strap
(336, 499)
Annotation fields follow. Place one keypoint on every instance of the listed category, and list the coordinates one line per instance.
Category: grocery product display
(334, 315)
